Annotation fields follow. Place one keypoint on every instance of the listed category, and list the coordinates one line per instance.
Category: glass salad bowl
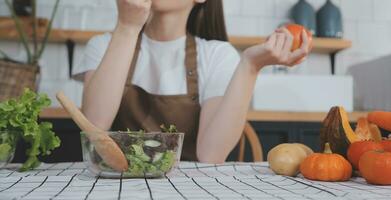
(149, 155)
(7, 147)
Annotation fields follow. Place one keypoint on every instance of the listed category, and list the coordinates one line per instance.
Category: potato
(285, 159)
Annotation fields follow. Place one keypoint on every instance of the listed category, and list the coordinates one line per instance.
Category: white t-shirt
(160, 68)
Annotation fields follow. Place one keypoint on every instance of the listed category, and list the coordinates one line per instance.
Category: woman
(168, 62)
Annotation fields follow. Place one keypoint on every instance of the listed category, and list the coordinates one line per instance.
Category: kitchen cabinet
(70, 149)
(274, 133)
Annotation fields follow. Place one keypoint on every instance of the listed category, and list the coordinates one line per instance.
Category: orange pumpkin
(337, 131)
(326, 166)
(375, 167)
(386, 145)
(381, 118)
(367, 131)
(357, 149)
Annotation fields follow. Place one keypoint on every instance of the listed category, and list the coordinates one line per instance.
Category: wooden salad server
(106, 148)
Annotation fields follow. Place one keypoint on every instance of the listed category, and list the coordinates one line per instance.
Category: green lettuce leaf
(19, 119)
(5, 150)
(167, 161)
(136, 167)
(139, 153)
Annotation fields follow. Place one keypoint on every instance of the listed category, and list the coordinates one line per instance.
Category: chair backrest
(255, 143)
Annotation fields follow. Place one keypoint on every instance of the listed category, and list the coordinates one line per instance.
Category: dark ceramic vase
(22, 7)
(329, 21)
(304, 14)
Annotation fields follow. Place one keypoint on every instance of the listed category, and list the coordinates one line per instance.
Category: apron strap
(191, 67)
(190, 63)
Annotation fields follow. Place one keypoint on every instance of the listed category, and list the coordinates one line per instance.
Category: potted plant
(17, 75)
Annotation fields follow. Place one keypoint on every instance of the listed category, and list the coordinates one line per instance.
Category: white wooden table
(189, 181)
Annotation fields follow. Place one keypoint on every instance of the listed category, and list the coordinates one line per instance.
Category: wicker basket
(14, 77)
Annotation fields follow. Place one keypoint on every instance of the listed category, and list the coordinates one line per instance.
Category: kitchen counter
(273, 128)
(270, 116)
(190, 181)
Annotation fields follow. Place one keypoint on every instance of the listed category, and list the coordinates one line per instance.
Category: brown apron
(141, 110)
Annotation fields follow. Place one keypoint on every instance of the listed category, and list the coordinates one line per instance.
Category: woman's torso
(164, 88)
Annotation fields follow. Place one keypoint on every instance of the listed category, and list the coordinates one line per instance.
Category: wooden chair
(254, 141)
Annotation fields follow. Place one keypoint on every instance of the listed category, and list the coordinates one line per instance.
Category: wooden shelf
(57, 36)
(267, 116)
(320, 45)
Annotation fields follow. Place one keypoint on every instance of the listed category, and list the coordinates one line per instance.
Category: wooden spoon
(106, 148)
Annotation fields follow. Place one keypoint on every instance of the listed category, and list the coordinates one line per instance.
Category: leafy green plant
(170, 129)
(35, 54)
(19, 119)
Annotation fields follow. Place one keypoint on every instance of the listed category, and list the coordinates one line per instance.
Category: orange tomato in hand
(297, 30)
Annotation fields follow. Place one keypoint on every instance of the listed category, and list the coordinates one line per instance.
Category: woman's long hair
(206, 20)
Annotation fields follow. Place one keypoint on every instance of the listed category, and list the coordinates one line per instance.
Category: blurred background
(366, 23)
(350, 65)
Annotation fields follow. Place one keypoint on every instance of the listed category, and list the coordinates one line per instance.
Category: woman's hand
(133, 14)
(277, 51)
